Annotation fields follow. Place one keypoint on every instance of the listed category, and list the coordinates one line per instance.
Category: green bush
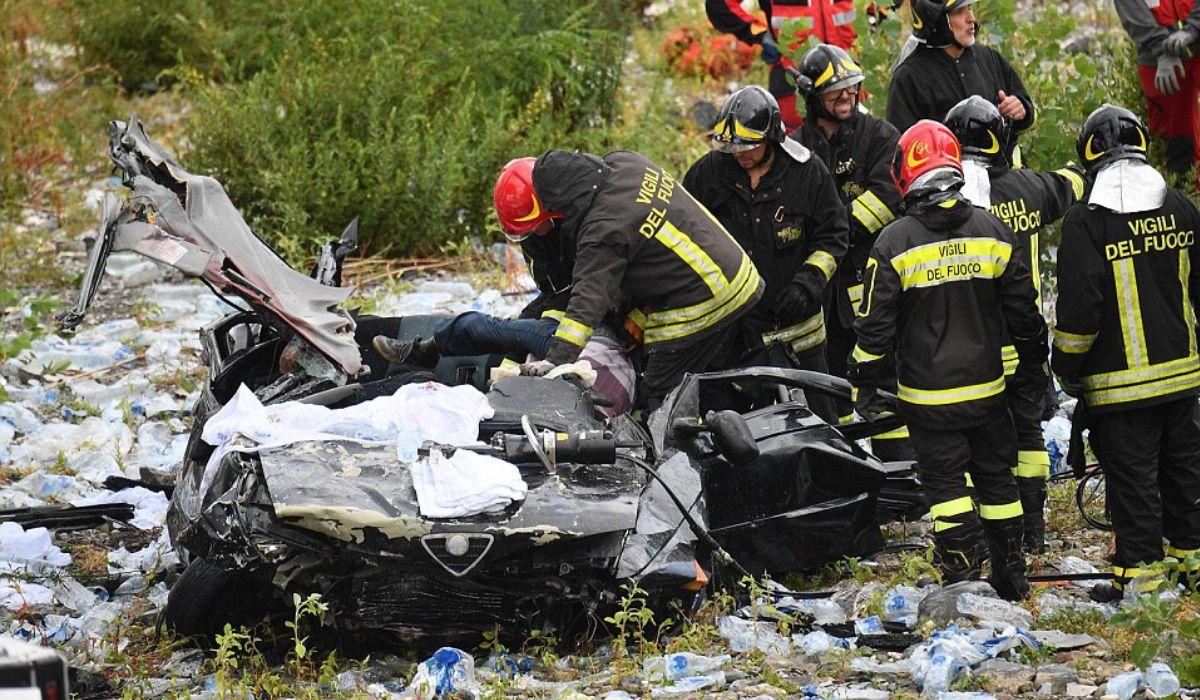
(402, 113)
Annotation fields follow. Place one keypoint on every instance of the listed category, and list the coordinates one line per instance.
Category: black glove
(869, 404)
(770, 51)
(1071, 386)
(792, 303)
(1031, 375)
(537, 368)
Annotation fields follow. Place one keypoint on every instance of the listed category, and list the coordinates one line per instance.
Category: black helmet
(931, 22)
(749, 118)
(981, 130)
(1111, 133)
(826, 68)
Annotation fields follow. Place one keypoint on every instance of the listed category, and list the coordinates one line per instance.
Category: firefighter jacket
(637, 232)
(551, 260)
(859, 156)
(1127, 287)
(1026, 200)
(942, 284)
(1150, 22)
(797, 25)
(793, 226)
(929, 82)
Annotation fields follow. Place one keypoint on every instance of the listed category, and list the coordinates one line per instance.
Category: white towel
(466, 483)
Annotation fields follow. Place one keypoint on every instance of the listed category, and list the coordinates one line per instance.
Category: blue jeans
(474, 333)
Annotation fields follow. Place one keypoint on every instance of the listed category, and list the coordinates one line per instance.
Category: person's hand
(1071, 386)
(792, 302)
(770, 51)
(869, 404)
(1179, 43)
(1170, 72)
(1011, 106)
(537, 368)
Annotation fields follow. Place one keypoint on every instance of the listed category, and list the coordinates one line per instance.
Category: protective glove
(1179, 43)
(1071, 386)
(537, 368)
(869, 404)
(792, 302)
(1170, 71)
(770, 50)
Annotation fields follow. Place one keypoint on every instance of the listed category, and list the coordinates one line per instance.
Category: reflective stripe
(897, 434)
(555, 314)
(1183, 555)
(1009, 358)
(848, 418)
(1152, 4)
(1147, 390)
(846, 17)
(1032, 464)
(823, 261)
(1130, 311)
(1073, 343)
(970, 484)
(941, 397)
(1180, 553)
(509, 362)
(1000, 512)
(1075, 180)
(871, 201)
(868, 274)
(947, 509)
(678, 323)
(1189, 313)
(855, 294)
(956, 260)
(636, 317)
(865, 217)
(805, 335)
(1135, 375)
(682, 245)
(860, 355)
(942, 525)
(1035, 267)
(573, 332)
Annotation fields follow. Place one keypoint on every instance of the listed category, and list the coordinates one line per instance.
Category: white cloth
(149, 507)
(580, 368)
(977, 185)
(416, 413)
(465, 484)
(1128, 186)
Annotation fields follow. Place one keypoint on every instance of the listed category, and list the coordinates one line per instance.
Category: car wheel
(206, 597)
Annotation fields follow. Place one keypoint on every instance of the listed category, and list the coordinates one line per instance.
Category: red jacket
(1170, 13)
(793, 23)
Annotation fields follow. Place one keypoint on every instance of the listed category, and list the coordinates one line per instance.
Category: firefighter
(781, 205)
(1025, 200)
(857, 149)
(1125, 341)
(1167, 35)
(789, 30)
(947, 66)
(639, 239)
(942, 284)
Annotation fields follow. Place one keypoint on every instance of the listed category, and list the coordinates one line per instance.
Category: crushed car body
(733, 461)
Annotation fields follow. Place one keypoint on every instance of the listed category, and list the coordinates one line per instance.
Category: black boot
(1005, 538)
(959, 552)
(1033, 518)
(1106, 593)
(419, 352)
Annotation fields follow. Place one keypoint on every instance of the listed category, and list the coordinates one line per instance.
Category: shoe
(1005, 540)
(422, 353)
(1033, 519)
(1106, 593)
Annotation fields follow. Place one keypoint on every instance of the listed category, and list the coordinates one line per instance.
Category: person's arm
(1064, 187)
(876, 207)
(875, 327)
(1014, 87)
(729, 17)
(600, 262)
(1141, 26)
(1080, 297)
(829, 240)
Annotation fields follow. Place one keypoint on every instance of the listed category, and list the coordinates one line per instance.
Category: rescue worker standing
(639, 236)
(781, 205)
(948, 66)
(1167, 35)
(857, 149)
(1125, 341)
(789, 30)
(943, 282)
(1025, 200)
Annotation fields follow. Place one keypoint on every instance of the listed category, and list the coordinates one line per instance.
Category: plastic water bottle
(448, 671)
(869, 625)
(943, 670)
(1125, 685)
(1161, 679)
(682, 665)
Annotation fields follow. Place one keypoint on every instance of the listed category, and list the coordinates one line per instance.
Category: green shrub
(402, 113)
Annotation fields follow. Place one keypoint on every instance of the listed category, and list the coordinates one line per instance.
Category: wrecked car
(732, 475)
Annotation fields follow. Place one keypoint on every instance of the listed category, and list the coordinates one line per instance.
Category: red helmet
(517, 203)
(925, 147)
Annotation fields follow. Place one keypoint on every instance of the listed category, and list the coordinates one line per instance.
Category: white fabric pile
(465, 483)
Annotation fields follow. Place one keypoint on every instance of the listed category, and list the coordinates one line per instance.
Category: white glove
(537, 368)
(1170, 71)
(1178, 43)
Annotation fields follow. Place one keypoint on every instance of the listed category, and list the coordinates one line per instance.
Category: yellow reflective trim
(947, 509)
(809, 325)
(738, 130)
(701, 263)
(1137, 375)
(1009, 358)
(848, 418)
(871, 270)
(508, 362)
(637, 317)
(942, 525)
(869, 221)
(1035, 267)
(1147, 390)
(942, 397)
(1000, 512)
(679, 323)
(1073, 343)
(1189, 313)
(1032, 464)
(555, 314)
(955, 260)
(1074, 179)
(872, 201)
(1129, 309)
(967, 478)
(1180, 553)
(860, 355)
(897, 434)
(855, 293)
(823, 261)
(573, 332)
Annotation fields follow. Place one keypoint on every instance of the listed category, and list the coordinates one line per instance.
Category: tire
(1091, 499)
(206, 597)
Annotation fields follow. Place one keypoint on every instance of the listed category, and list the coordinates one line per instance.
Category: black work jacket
(942, 285)
(793, 226)
(859, 156)
(640, 238)
(1125, 316)
(550, 259)
(929, 83)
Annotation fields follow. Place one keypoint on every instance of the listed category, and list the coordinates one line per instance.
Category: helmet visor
(542, 229)
(736, 144)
